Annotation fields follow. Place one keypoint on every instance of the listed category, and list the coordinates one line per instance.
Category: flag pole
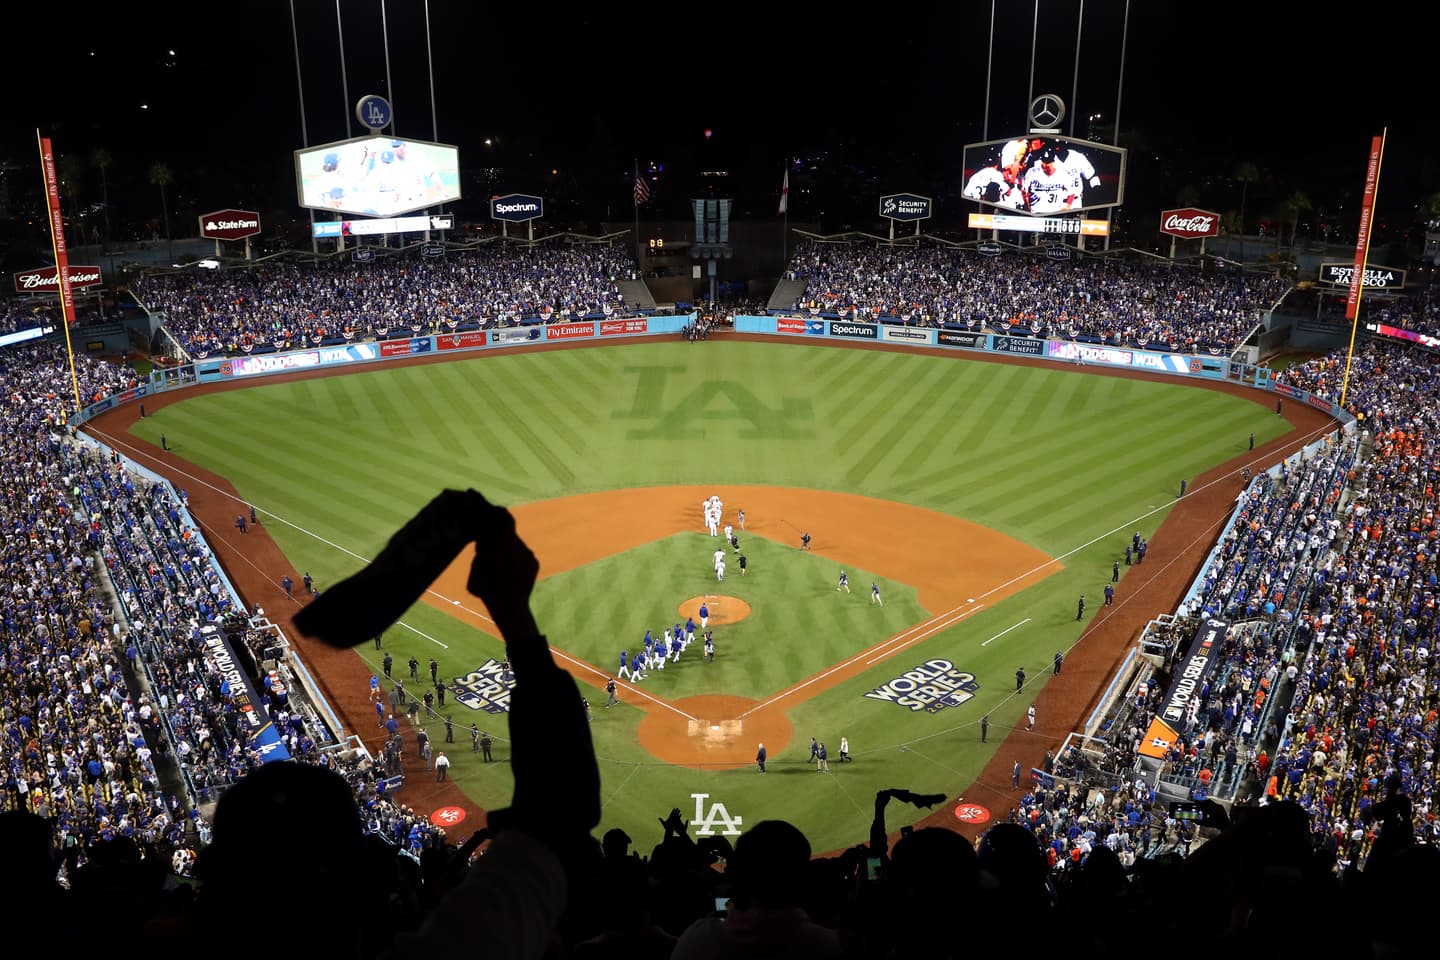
(60, 252)
(1362, 251)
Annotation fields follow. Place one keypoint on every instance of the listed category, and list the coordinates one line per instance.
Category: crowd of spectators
(1139, 303)
(102, 693)
(280, 305)
(1365, 705)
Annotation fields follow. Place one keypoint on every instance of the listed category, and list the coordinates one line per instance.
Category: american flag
(642, 188)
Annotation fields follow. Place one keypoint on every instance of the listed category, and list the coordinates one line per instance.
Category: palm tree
(1247, 173)
(1230, 222)
(100, 159)
(161, 177)
(69, 170)
(1296, 204)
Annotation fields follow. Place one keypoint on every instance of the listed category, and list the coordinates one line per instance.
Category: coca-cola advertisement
(1189, 223)
(45, 279)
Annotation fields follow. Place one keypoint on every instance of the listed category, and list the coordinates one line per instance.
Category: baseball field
(981, 498)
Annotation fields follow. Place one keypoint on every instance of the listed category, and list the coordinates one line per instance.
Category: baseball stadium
(717, 584)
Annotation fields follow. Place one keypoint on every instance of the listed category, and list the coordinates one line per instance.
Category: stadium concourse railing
(809, 328)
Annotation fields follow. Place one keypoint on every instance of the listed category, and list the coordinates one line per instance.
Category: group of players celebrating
(1035, 175)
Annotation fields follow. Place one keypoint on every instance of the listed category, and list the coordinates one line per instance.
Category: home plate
(724, 730)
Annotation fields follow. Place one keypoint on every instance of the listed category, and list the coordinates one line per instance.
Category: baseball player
(1057, 180)
(844, 582)
(718, 557)
(676, 646)
(704, 615)
(705, 512)
(640, 663)
(709, 647)
(720, 571)
(1000, 184)
(657, 658)
(624, 672)
(689, 630)
(875, 593)
(729, 532)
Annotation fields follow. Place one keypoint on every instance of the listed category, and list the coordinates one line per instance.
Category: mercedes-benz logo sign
(1046, 110)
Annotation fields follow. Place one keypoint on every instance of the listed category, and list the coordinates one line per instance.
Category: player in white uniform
(718, 558)
(1055, 184)
(720, 571)
(1001, 185)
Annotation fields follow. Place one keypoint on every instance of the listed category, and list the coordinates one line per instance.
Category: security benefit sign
(931, 686)
(1182, 697)
(487, 687)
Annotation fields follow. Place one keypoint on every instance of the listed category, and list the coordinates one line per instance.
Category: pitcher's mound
(722, 609)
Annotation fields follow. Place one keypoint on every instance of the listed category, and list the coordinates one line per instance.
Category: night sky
(867, 104)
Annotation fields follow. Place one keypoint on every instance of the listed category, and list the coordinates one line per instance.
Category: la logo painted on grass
(711, 400)
(717, 817)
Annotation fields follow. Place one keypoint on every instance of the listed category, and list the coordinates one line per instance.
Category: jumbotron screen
(1044, 176)
(377, 176)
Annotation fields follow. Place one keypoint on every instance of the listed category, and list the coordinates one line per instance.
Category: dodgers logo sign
(373, 111)
(931, 686)
(717, 816)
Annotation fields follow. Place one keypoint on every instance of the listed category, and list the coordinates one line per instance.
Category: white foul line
(921, 631)
(1005, 631)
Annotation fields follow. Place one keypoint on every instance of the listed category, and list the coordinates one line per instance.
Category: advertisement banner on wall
(1116, 356)
(460, 341)
(395, 348)
(1285, 390)
(272, 363)
(959, 338)
(789, 325)
(616, 328)
(859, 331)
(906, 334)
(569, 331)
(509, 335)
(1023, 345)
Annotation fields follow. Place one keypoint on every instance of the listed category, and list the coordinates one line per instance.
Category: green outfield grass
(1068, 462)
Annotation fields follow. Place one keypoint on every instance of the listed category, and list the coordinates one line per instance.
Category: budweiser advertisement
(1189, 223)
(45, 279)
(229, 224)
(611, 328)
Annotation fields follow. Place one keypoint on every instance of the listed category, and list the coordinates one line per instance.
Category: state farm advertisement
(461, 341)
(569, 331)
(46, 280)
(615, 328)
(789, 325)
(1189, 223)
